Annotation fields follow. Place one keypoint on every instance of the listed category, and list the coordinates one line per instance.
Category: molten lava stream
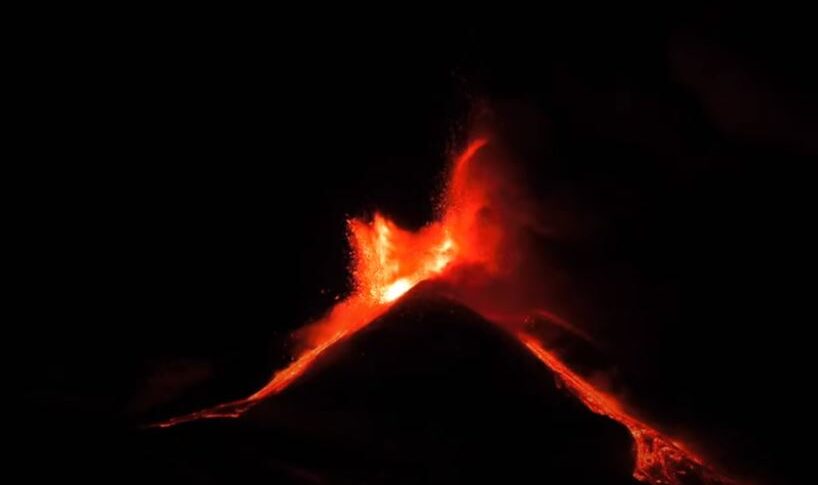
(659, 459)
(389, 261)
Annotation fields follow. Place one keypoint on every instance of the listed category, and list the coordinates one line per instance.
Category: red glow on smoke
(474, 239)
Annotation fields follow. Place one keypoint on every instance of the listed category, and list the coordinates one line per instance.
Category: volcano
(479, 251)
(430, 392)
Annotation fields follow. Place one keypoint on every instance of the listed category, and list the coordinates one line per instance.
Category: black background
(188, 176)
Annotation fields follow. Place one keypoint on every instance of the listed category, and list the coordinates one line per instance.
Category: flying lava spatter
(389, 261)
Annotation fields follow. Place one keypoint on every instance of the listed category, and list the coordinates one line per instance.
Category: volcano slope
(429, 393)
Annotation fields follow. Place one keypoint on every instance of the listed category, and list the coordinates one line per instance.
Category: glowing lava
(389, 261)
(659, 459)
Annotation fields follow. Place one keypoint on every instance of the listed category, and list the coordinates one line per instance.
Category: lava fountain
(471, 234)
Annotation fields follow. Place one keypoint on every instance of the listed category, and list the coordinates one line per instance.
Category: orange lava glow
(390, 261)
(659, 459)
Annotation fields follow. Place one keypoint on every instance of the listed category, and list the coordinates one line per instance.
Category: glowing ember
(390, 261)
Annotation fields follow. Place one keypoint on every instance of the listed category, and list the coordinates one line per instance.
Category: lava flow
(472, 232)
